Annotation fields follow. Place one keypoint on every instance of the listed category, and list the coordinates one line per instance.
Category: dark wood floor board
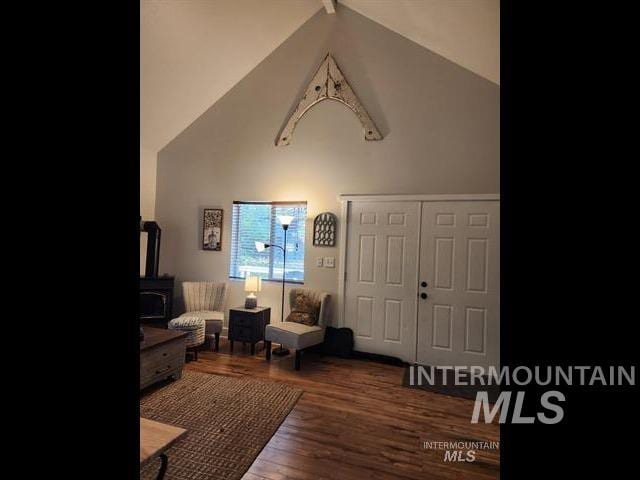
(355, 421)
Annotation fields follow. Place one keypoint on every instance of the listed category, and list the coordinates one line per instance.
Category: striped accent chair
(298, 335)
(206, 300)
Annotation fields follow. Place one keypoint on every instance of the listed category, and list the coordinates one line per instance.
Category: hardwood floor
(355, 421)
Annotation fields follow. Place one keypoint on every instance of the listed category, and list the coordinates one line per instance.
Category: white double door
(423, 280)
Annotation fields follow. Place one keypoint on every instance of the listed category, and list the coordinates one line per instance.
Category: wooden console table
(155, 439)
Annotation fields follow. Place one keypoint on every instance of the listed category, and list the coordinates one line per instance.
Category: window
(258, 222)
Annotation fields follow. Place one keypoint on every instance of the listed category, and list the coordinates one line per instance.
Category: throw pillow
(304, 310)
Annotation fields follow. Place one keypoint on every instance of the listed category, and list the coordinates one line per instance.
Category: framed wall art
(324, 230)
(212, 229)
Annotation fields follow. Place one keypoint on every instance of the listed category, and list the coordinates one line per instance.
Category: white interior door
(459, 321)
(381, 277)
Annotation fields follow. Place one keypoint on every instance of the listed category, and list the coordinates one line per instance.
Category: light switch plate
(329, 262)
(319, 262)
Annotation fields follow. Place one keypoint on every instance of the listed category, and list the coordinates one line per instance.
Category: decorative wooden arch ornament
(328, 84)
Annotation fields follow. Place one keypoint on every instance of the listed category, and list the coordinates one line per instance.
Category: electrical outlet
(319, 262)
(329, 262)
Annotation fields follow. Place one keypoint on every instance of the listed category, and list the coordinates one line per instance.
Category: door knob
(424, 284)
(423, 295)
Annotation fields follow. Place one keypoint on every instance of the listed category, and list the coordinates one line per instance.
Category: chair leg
(296, 363)
(267, 348)
(195, 354)
(217, 344)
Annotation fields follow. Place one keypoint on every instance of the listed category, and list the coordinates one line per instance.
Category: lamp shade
(285, 220)
(252, 284)
(260, 246)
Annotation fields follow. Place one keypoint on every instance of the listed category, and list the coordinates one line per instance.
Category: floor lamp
(285, 221)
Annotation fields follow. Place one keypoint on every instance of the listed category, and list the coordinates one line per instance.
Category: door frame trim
(345, 199)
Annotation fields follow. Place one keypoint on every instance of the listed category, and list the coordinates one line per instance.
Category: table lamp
(252, 285)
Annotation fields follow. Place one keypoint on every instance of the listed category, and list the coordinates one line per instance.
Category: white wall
(148, 174)
(440, 122)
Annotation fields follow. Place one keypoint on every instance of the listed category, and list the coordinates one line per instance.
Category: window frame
(272, 233)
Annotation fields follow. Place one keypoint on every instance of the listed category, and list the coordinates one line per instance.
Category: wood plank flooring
(355, 421)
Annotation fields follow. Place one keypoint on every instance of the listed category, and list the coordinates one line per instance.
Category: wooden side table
(247, 325)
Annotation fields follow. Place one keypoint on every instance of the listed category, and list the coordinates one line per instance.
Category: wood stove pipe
(153, 247)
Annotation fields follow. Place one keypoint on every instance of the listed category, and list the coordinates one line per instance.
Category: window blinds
(258, 221)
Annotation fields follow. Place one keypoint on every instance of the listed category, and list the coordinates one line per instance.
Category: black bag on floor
(338, 342)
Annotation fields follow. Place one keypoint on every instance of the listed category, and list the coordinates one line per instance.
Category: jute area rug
(228, 421)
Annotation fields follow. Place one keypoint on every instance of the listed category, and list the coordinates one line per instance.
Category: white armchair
(298, 335)
(206, 300)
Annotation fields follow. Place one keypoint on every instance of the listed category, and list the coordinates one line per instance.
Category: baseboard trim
(375, 357)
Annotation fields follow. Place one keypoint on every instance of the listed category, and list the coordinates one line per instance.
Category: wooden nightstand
(247, 325)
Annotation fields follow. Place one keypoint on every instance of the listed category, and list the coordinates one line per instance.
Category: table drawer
(154, 374)
(243, 334)
(162, 354)
(242, 321)
(161, 362)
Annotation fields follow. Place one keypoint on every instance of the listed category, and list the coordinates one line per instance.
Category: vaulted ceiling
(194, 51)
(466, 32)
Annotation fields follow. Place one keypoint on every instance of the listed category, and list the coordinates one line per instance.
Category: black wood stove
(156, 292)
